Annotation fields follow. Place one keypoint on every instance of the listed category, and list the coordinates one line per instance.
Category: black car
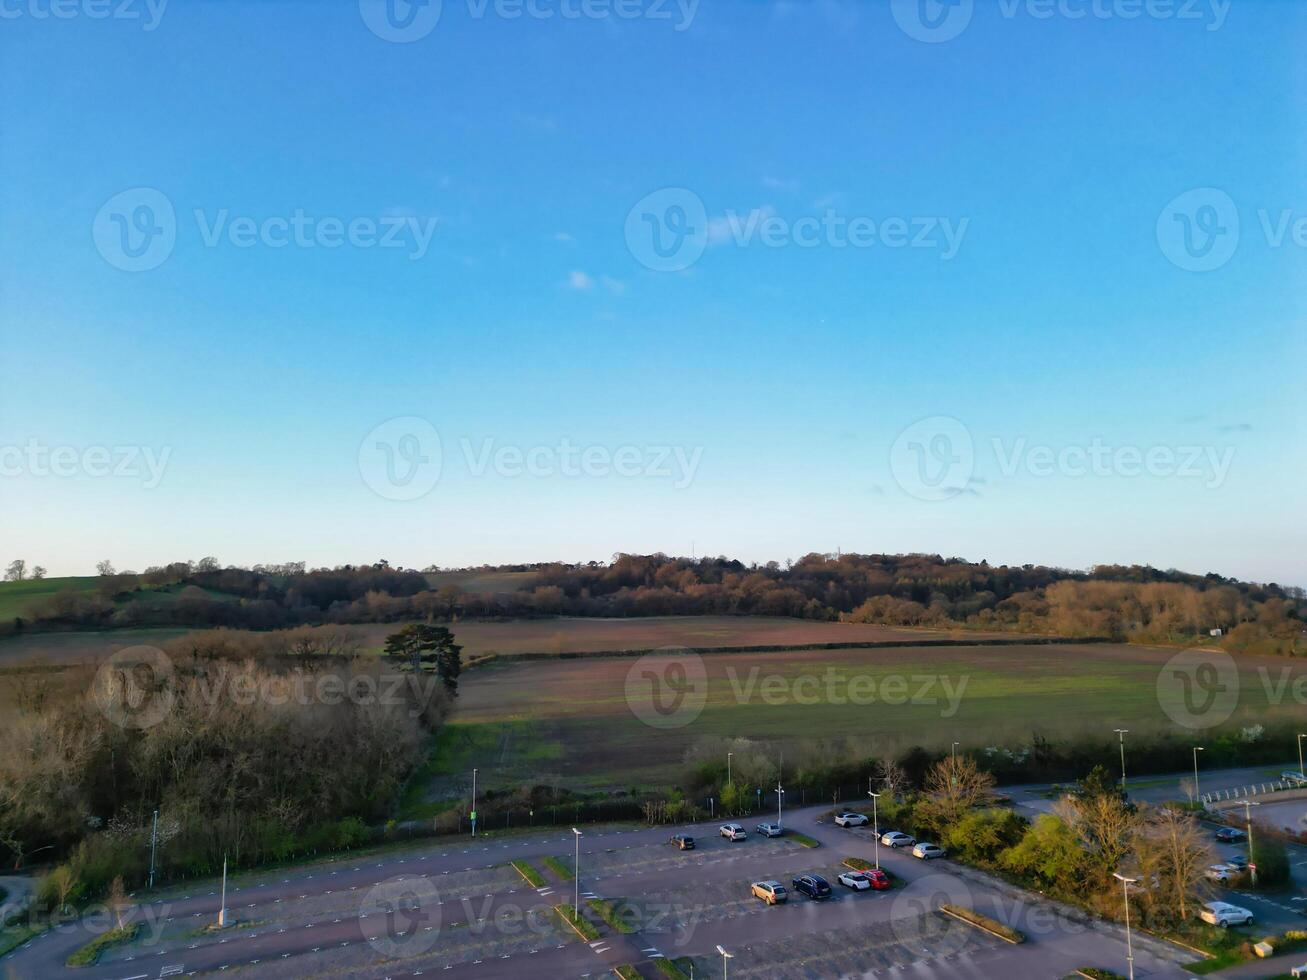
(814, 886)
(684, 841)
(1230, 834)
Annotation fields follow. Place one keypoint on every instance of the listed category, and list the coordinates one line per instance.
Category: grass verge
(991, 926)
(803, 839)
(90, 954)
(671, 970)
(533, 877)
(1094, 973)
(627, 972)
(558, 868)
(578, 925)
(610, 912)
(14, 936)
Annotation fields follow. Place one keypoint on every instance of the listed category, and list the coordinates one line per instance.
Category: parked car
(896, 838)
(769, 829)
(1294, 777)
(1299, 971)
(1221, 873)
(770, 892)
(814, 886)
(1229, 835)
(684, 841)
(1225, 914)
(1238, 862)
(851, 819)
(927, 851)
(732, 831)
(862, 880)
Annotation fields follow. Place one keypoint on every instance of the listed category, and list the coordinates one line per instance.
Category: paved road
(700, 898)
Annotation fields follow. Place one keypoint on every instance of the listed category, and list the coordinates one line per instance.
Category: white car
(857, 880)
(927, 851)
(733, 831)
(1299, 971)
(769, 829)
(895, 838)
(1221, 872)
(1225, 914)
(1294, 777)
(851, 819)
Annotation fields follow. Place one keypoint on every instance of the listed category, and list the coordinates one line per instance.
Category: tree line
(1133, 602)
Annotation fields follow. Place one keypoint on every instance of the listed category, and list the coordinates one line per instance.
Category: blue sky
(774, 396)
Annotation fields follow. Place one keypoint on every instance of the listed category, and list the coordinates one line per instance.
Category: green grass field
(570, 722)
(15, 597)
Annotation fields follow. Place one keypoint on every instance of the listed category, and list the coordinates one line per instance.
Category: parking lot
(462, 909)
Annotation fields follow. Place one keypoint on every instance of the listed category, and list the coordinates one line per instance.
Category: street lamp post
(728, 767)
(1300, 772)
(576, 876)
(875, 824)
(1248, 825)
(474, 802)
(1129, 945)
(222, 907)
(780, 795)
(1197, 795)
(1121, 733)
(725, 956)
(154, 845)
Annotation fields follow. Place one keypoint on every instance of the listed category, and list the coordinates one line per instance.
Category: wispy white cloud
(564, 237)
(579, 280)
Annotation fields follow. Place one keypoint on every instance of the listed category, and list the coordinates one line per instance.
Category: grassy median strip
(803, 839)
(610, 912)
(533, 877)
(90, 954)
(582, 928)
(1094, 973)
(558, 868)
(991, 926)
(627, 972)
(669, 969)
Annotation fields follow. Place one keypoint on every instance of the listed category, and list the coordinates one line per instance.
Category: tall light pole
(576, 876)
(1248, 825)
(222, 908)
(1121, 733)
(955, 754)
(474, 802)
(725, 956)
(1300, 772)
(154, 845)
(1197, 795)
(875, 824)
(780, 795)
(1129, 945)
(728, 767)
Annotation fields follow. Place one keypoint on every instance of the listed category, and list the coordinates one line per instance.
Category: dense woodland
(1122, 602)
